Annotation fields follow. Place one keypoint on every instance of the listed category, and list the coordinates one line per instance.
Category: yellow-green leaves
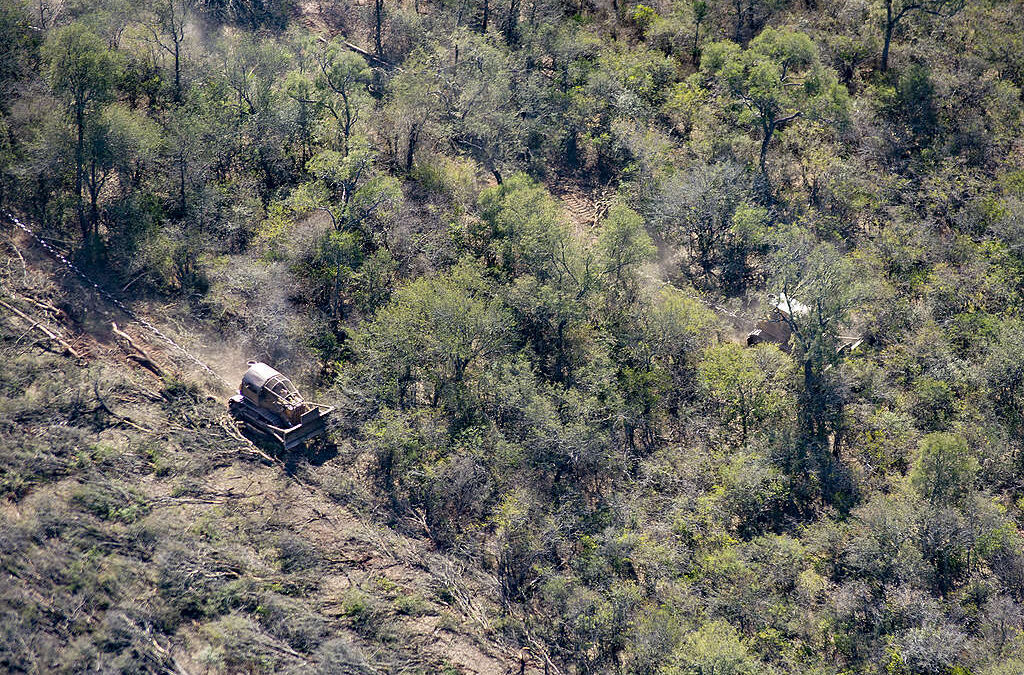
(777, 80)
(526, 226)
(433, 331)
(623, 246)
(944, 471)
(749, 384)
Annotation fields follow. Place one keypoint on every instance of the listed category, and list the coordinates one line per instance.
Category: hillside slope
(521, 248)
(141, 533)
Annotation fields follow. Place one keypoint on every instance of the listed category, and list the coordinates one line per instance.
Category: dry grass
(140, 534)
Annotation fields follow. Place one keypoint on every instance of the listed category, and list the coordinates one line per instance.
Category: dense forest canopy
(528, 239)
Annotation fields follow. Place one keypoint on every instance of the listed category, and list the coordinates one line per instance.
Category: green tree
(6, 156)
(17, 49)
(378, 28)
(82, 70)
(1003, 371)
(476, 88)
(341, 81)
(623, 246)
(251, 73)
(700, 14)
(299, 87)
(553, 278)
(167, 31)
(714, 648)
(897, 10)
(193, 145)
(929, 650)
(882, 545)
(413, 109)
(433, 331)
(817, 288)
(913, 108)
(525, 230)
(749, 384)
(776, 80)
(944, 472)
(337, 177)
(676, 329)
(120, 141)
(695, 209)
(374, 206)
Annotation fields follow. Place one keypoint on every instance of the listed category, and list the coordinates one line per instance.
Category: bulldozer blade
(303, 432)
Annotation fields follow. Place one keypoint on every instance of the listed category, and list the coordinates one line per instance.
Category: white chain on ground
(106, 294)
(712, 305)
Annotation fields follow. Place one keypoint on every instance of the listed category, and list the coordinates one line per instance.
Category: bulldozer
(270, 406)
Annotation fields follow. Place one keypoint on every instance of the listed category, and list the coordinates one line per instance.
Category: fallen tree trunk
(137, 353)
(37, 325)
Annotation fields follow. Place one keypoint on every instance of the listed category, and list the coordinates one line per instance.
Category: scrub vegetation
(519, 245)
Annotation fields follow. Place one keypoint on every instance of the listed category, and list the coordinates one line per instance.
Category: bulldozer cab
(281, 388)
(262, 384)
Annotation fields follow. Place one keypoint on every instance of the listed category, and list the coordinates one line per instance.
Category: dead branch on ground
(137, 353)
(37, 325)
(17, 252)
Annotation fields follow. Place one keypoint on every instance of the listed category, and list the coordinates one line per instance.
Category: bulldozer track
(580, 209)
(585, 208)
